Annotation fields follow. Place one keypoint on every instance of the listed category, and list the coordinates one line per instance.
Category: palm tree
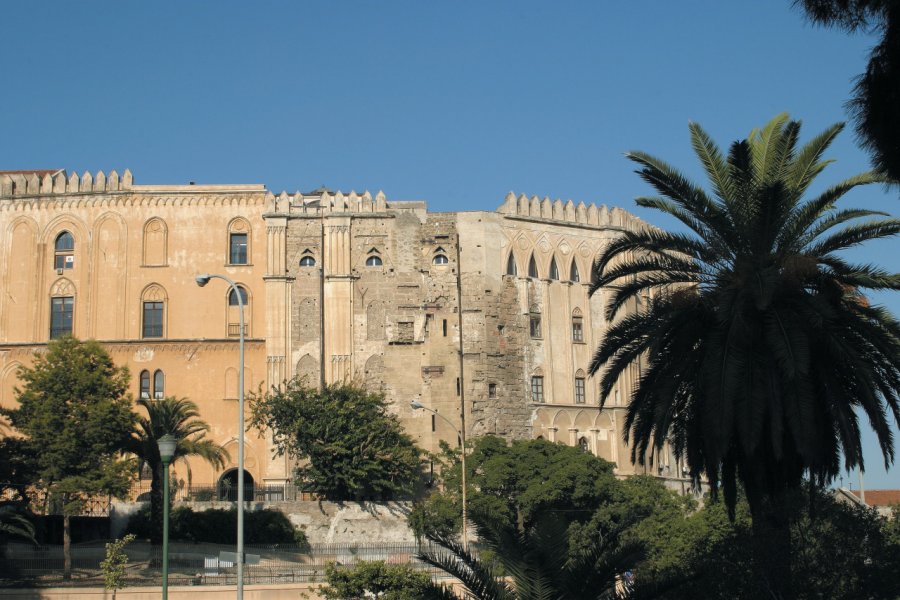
(876, 98)
(758, 348)
(536, 563)
(178, 417)
(14, 524)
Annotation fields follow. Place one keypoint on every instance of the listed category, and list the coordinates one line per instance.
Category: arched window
(554, 270)
(239, 242)
(64, 251)
(153, 312)
(532, 267)
(574, 276)
(155, 240)
(579, 387)
(511, 265)
(233, 298)
(440, 259)
(583, 444)
(159, 385)
(307, 261)
(374, 261)
(577, 326)
(145, 384)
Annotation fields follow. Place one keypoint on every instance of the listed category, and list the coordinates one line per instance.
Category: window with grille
(159, 385)
(577, 329)
(61, 311)
(537, 388)
(153, 319)
(237, 244)
(579, 390)
(145, 385)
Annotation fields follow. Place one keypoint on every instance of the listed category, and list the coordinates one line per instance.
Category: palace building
(484, 309)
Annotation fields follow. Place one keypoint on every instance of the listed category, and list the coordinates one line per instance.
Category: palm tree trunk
(67, 547)
(772, 547)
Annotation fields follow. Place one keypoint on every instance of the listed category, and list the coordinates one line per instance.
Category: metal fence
(195, 564)
(228, 493)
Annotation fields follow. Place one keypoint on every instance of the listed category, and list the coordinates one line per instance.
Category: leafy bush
(380, 580)
(219, 526)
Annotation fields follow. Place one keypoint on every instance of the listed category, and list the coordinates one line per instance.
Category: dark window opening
(579, 390)
(444, 327)
(233, 298)
(64, 251)
(153, 319)
(237, 254)
(61, 311)
(554, 271)
(458, 387)
(537, 389)
(573, 273)
(532, 268)
(511, 265)
(534, 325)
(492, 390)
(145, 385)
(159, 385)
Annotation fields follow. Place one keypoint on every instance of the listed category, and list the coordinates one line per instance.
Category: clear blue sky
(454, 103)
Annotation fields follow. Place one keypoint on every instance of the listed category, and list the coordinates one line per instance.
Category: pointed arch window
(64, 251)
(583, 445)
(574, 275)
(554, 270)
(374, 261)
(532, 267)
(307, 261)
(579, 387)
(440, 259)
(145, 384)
(159, 385)
(511, 265)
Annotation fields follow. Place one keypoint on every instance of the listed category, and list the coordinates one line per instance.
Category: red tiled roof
(880, 497)
(39, 172)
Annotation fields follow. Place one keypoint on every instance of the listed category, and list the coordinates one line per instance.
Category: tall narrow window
(554, 270)
(153, 319)
(532, 268)
(534, 322)
(492, 390)
(61, 311)
(237, 244)
(574, 276)
(234, 311)
(159, 385)
(511, 265)
(444, 327)
(579, 390)
(537, 388)
(64, 251)
(584, 445)
(145, 384)
(577, 326)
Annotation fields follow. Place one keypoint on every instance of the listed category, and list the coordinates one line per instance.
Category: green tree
(355, 448)
(758, 343)
(75, 413)
(876, 97)
(180, 418)
(14, 524)
(376, 579)
(514, 483)
(113, 566)
(537, 563)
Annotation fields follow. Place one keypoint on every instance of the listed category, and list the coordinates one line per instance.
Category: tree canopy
(353, 447)
(760, 345)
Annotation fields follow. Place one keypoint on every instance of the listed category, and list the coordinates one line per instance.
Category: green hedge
(218, 526)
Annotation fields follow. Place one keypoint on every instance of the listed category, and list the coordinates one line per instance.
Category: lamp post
(202, 280)
(166, 445)
(416, 405)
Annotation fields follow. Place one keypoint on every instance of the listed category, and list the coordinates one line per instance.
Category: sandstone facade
(486, 309)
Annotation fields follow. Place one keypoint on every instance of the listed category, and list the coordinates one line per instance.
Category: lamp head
(201, 280)
(166, 445)
(416, 405)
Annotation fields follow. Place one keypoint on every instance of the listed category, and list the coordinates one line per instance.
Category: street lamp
(202, 280)
(416, 405)
(166, 445)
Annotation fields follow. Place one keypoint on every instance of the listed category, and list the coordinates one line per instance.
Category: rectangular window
(492, 390)
(579, 390)
(237, 254)
(535, 325)
(61, 310)
(577, 330)
(458, 388)
(537, 389)
(444, 327)
(153, 320)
